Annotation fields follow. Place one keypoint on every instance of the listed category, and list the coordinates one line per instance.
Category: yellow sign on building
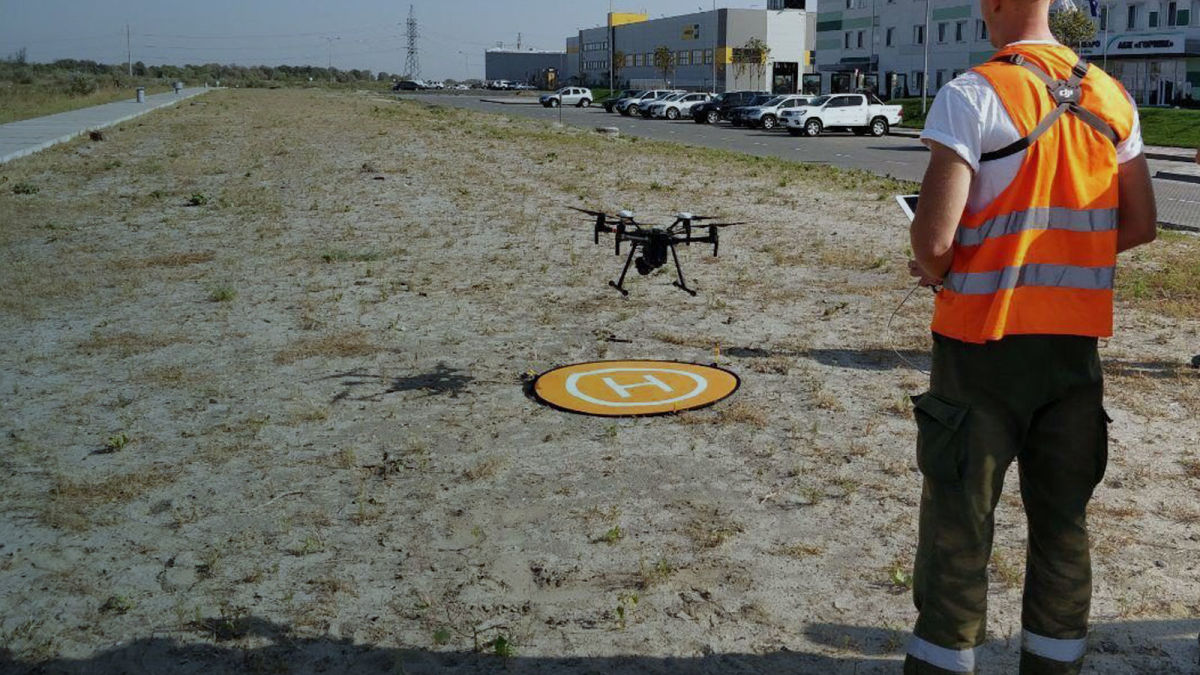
(633, 388)
(623, 18)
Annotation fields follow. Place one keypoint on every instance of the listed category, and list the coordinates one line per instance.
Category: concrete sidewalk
(26, 137)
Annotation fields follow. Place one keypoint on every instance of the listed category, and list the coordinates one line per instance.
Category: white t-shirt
(968, 117)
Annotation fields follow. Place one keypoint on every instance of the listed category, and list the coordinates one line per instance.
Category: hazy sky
(361, 33)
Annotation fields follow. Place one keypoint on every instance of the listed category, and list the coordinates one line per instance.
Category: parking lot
(900, 154)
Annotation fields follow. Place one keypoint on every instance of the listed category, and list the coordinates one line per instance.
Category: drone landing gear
(620, 283)
(681, 284)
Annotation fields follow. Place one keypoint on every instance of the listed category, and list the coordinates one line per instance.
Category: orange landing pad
(633, 388)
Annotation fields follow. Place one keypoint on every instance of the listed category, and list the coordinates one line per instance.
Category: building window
(849, 4)
(1172, 14)
(708, 56)
(888, 36)
(960, 31)
(1131, 17)
(1104, 17)
(941, 77)
(637, 60)
(1152, 18)
(846, 41)
(918, 35)
(942, 32)
(684, 58)
(919, 81)
(981, 29)
(860, 38)
(697, 57)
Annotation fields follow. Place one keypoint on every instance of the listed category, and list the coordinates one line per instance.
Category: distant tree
(618, 62)
(753, 55)
(664, 62)
(17, 57)
(382, 77)
(1072, 26)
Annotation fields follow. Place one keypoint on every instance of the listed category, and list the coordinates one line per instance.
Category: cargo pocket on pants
(940, 449)
(1102, 455)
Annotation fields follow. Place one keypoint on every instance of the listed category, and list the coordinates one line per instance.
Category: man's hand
(915, 270)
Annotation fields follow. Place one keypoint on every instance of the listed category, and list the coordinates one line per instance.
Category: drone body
(654, 242)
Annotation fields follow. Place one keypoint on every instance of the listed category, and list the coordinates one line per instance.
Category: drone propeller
(723, 224)
(594, 214)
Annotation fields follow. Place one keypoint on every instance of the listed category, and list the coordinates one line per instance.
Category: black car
(609, 102)
(406, 85)
(718, 109)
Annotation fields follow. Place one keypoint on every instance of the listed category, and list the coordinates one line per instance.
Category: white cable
(891, 342)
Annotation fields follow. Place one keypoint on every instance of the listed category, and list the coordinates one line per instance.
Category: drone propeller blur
(654, 242)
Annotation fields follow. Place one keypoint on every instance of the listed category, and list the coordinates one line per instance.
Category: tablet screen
(909, 204)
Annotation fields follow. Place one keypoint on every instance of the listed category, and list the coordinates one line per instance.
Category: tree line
(83, 76)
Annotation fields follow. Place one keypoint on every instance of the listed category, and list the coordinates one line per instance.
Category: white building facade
(1152, 46)
(708, 51)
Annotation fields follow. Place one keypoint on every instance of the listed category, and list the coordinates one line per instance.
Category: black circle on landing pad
(633, 388)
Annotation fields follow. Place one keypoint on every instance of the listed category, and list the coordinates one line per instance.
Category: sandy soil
(284, 428)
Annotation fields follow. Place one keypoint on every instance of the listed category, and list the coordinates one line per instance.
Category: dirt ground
(264, 410)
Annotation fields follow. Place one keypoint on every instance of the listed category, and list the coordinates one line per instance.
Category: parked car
(767, 114)
(435, 84)
(524, 86)
(716, 110)
(734, 114)
(500, 84)
(462, 87)
(408, 85)
(633, 106)
(611, 101)
(576, 96)
(644, 111)
(678, 106)
(861, 113)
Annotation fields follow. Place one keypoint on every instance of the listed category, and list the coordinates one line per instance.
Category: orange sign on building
(632, 388)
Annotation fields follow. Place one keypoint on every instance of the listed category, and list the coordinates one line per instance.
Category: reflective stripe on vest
(1053, 276)
(1044, 218)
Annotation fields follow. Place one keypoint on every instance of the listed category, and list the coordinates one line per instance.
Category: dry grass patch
(742, 412)
(182, 259)
(345, 344)
(1164, 277)
(78, 504)
(128, 343)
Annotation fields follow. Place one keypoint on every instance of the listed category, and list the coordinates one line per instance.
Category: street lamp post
(925, 73)
(466, 65)
(329, 43)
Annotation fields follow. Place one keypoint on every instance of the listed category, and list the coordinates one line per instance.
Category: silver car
(767, 115)
(633, 106)
(576, 96)
(678, 106)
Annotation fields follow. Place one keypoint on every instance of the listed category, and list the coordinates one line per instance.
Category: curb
(508, 102)
(25, 152)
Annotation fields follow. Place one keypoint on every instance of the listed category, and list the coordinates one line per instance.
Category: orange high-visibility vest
(1040, 258)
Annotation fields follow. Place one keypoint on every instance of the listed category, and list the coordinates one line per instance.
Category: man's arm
(944, 192)
(1137, 217)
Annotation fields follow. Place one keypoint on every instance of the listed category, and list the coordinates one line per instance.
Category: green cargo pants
(1036, 399)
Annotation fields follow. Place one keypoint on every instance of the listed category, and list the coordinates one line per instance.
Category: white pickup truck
(861, 113)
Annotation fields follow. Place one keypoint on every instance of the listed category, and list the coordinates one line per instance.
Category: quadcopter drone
(654, 242)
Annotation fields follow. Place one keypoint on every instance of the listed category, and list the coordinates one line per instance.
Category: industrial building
(1152, 47)
(718, 50)
(542, 68)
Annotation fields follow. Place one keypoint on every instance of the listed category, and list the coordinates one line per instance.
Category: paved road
(26, 137)
(901, 156)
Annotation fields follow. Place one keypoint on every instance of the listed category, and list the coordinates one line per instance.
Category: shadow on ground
(1167, 646)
